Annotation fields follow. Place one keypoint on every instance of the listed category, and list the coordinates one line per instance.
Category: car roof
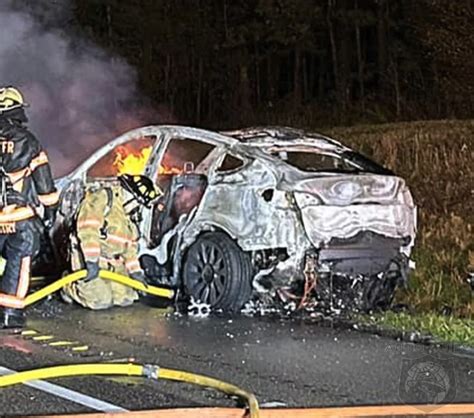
(285, 137)
(177, 131)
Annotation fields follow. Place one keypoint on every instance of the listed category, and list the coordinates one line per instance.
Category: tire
(379, 293)
(217, 272)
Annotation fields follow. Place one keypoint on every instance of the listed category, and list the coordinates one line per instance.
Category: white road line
(68, 394)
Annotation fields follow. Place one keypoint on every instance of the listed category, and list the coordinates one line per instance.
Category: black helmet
(141, 187)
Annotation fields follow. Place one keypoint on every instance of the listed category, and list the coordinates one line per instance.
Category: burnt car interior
(182, 181)
(311, 161)
(133, 155)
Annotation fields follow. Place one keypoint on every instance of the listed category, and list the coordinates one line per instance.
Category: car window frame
(274, 150)
(215, 176)
(101, 155)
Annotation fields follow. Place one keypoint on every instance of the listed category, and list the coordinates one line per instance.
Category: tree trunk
(272, 79)
(396, 87)
(310, 77)
(332, 39)
(226, 25)
(257, 75)
(199, 92)
(167, 74)
(345, 82)
(297, 78)
(381, 44)
(321, 78)
(244, 89)
(108, 11)
(360, 63)
(305, 82)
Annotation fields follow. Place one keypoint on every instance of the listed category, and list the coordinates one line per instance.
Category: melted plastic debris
(284, 306)
(198, 309)
(258, 307)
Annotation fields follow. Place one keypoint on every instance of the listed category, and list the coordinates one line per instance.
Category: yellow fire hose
(104, 274)
(130, 369)
(150, 371)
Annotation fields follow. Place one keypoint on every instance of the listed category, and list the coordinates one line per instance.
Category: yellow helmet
(10, 98)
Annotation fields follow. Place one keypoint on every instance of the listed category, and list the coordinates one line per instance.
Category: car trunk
(342, 206)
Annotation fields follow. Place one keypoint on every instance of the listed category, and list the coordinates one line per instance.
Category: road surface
(284, 362)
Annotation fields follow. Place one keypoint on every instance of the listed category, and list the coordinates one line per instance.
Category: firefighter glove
(92, 271)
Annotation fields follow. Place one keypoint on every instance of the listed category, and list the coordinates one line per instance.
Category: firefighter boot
(11, 318)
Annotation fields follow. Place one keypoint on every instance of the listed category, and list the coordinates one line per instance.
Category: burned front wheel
(217, 272)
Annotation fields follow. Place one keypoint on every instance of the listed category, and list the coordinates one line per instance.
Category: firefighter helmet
(10, 99)
(141, 187)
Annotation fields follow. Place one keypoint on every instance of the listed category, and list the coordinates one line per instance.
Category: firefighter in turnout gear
(25, 183)
(106, 239)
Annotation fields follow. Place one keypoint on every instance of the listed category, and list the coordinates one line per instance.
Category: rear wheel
(217, 272)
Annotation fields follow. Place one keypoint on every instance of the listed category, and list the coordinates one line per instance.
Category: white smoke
(79, 95)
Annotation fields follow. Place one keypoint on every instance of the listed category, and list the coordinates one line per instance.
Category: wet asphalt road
(292, 362)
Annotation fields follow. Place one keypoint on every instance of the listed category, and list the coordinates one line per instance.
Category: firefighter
(107, 236)
(25, 182)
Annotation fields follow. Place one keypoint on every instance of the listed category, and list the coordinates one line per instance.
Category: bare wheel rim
(206, 272)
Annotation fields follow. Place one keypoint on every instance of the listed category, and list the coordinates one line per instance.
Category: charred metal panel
(344, 190)
(285, 136)
(323, 222)
(239, 203)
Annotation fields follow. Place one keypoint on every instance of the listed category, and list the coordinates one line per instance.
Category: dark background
(224, 63)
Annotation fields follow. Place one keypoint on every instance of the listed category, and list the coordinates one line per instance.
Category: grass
(446, 329)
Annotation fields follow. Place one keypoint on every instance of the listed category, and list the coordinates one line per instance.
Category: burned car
(271, 213)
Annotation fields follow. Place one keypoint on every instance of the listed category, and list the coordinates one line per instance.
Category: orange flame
(129, 162)
(133, 161)
(165, 169)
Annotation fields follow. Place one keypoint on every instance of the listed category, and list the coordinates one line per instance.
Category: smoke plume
(80, 96)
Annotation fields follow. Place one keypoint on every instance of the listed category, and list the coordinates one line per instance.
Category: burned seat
(183, 192)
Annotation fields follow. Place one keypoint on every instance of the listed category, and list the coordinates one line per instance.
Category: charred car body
(270, 211)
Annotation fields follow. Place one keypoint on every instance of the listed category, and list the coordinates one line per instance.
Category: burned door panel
(179, 177)
(247, 206)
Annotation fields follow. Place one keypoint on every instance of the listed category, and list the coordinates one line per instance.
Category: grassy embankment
(437, 160)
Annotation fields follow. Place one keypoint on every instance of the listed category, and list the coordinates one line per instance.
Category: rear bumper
(366, 254)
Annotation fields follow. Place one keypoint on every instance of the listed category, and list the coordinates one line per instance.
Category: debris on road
(198, 309)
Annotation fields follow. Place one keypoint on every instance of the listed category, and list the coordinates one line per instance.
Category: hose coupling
(151, 371)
